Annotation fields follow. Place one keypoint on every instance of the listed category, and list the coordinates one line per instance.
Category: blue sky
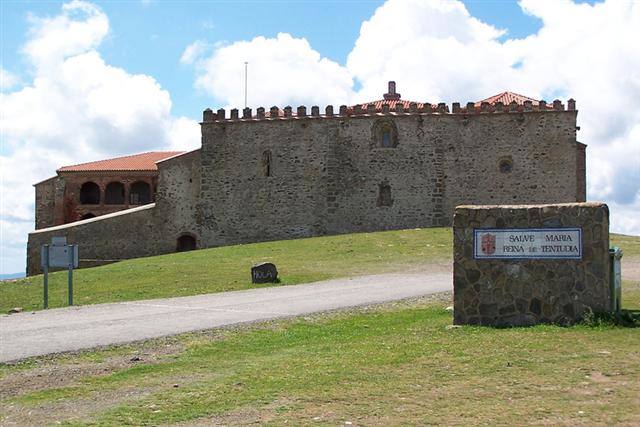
(88, 80)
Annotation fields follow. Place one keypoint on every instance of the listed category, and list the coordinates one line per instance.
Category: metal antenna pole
(245, 83)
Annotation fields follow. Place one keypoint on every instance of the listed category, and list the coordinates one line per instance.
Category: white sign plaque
(527, 243)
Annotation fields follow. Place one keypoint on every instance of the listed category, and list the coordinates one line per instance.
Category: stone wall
(540, 148)
(529, 291)
(125, 234)
(177, 199)
(327, 173)
(45, 203)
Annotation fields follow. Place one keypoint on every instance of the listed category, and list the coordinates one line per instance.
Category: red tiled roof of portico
(137, 162)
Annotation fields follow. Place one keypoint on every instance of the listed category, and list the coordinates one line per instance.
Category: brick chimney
(391, 95)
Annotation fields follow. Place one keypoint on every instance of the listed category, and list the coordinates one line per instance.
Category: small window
(505, 165)
(384, 195)
(266, 163)
(385, 134)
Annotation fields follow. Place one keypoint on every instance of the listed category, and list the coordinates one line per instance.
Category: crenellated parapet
(392, 108)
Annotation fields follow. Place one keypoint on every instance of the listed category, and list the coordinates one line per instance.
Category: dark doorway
(89, 194)
(87, 216)
(114, 194)
(186, 242)
(140, 193)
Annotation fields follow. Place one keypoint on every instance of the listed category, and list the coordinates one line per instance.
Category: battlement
(394, 108)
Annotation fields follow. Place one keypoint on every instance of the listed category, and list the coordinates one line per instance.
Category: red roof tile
(391, 97)
(507, 98)
(136, 162)
(392, 104)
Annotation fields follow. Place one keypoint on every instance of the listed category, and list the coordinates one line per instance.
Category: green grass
(390, 365)
(228, 268)
(630, 245)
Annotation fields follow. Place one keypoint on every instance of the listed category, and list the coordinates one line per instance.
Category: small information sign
(63, 256)
(527, 243)
(58, 254)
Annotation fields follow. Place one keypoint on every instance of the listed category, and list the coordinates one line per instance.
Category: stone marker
(528, 264)
(265, 272)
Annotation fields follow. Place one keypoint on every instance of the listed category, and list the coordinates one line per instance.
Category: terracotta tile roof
(507, 98)
(392, 104)
(136, 162)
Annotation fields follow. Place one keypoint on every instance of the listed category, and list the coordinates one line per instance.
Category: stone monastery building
(283, 174)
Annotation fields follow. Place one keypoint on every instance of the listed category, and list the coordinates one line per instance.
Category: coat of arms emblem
(488, 243)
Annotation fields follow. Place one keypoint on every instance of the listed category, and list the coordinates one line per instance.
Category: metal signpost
(58, 254)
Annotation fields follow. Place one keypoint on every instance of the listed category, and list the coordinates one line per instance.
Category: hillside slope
(228, 268)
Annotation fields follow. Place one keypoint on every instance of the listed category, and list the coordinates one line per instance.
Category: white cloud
(193, 52)
(434, 50)
(77, 108)
(7, 79)
(183, 134)
(52, 40)
(282, 70)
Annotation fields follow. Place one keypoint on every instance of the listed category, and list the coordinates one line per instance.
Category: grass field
(227, 268)
(395, 364)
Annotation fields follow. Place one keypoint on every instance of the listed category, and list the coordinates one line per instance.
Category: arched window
(384, 195)
(385, 134)
(114, 194)
(266, 163)
(186, 242)
(89, 194)
(140, 193)
(87, 216)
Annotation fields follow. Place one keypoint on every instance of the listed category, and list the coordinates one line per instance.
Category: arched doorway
(140, 193)
(186, 242)
(114, 194)
(89, 194)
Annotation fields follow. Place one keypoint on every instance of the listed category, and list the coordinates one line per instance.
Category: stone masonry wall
(529, 291)
(327, 171)
(45, 203)
(540, 147)
(177, 199)
(112, 237)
